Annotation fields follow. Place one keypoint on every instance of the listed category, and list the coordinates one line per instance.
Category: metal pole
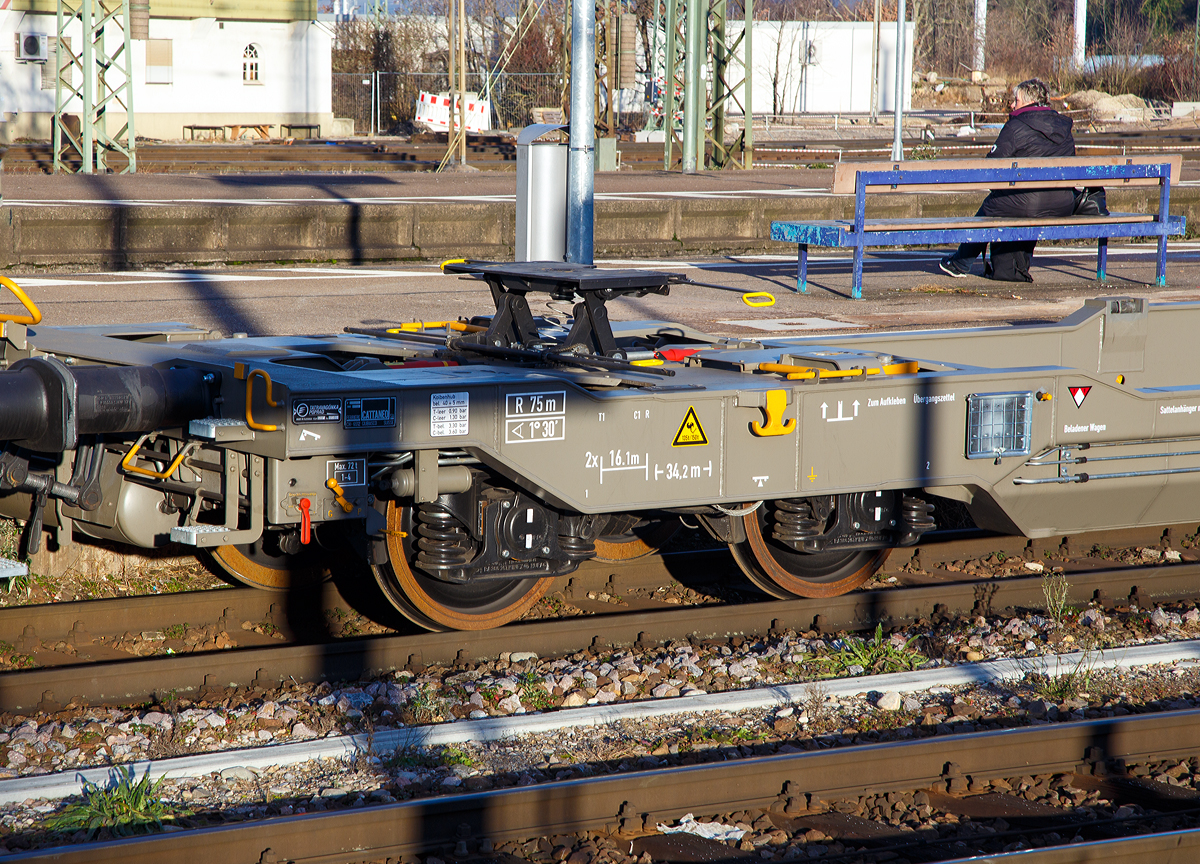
(980, 33)
(581, 158)
(670, 72)
(875, 63)
(898, 108)
(692, 85)
(131, 136)
(462, 81)
(1195, 45)
(450, 68)
(748, 68)
(610, 72)
(1080, 32)
(654, 53)
(58, 91)
(89, 76)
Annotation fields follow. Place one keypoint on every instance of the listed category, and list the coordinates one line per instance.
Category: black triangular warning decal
(690, 431)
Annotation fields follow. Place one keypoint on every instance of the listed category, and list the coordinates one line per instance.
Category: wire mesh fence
(393, 95)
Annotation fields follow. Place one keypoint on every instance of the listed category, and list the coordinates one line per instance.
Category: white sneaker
(947, 266)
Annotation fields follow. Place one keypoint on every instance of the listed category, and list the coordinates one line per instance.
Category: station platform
(116, 222)
(902, 289)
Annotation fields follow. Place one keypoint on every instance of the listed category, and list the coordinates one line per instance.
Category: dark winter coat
(1032, 131)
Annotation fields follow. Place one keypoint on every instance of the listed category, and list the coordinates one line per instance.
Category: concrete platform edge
(117, 237)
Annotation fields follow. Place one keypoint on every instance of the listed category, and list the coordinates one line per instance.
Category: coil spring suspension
(794, 522)
(916, 517)
(442, 540)
(576, 548)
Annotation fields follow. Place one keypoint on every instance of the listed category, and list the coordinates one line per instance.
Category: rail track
(66, 633)
(105, 680)
(493, 153)
(1087, 784)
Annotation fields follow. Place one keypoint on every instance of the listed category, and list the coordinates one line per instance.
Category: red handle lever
(305, 521)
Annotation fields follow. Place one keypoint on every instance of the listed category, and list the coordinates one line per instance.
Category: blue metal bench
(1026, 173)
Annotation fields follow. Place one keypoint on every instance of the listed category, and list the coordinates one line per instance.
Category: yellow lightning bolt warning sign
(690, 431)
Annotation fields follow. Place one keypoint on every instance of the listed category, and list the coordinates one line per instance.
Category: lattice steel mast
(97, 91)
(698, 39)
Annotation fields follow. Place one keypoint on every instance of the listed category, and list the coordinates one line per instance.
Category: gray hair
(1034, 91)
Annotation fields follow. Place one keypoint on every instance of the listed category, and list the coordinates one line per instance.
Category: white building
(819, 67)
(825, 67)
(224, 62)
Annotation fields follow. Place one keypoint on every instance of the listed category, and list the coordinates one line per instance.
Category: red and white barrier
(433, 109)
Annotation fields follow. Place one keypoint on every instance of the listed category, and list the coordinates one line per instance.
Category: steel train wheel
(637, 542)
(254, 565)
(785, 573)
(437, 605)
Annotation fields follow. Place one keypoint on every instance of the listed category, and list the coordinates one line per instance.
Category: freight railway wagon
(468, 464)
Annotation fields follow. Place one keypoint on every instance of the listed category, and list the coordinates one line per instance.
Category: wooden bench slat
(844, 172)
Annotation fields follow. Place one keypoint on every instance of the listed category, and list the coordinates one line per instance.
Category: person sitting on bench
(1033, 129)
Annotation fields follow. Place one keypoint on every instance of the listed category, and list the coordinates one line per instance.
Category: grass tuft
(874, 656)
(1057, 591)
(126, 806)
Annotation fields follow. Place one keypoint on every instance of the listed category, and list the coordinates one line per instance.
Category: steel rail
(635, 802)
(135, 614)
(115, 616)
(127, 681)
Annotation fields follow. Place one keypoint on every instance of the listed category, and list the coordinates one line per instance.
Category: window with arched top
(250, 65)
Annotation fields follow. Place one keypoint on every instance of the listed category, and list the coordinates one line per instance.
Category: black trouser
(1010, 261)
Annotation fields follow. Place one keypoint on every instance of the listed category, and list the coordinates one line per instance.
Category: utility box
(541, 195)
(607, 156)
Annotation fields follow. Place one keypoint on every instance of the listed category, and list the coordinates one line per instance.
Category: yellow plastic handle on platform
(442, 266)
(758, 299)
(35, 314)
(250, 421)
(421, 326)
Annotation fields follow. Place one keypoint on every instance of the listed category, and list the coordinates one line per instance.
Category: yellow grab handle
(339, 495)
(794, 373)
(239, 371)
(774, 409)
(127, 462)
(442, 266)
(758, 299)
(35, 314)
(782, 368)
(419, 326)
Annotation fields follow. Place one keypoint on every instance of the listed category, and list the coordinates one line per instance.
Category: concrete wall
(206, 83)
(118, 237)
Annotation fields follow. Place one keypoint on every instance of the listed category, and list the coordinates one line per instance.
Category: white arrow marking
(824, 408)
(855, 407)
(839, 416)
